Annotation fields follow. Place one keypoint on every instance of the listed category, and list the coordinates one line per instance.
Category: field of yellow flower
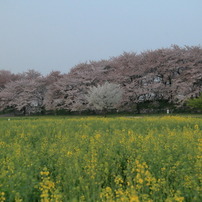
(101, 159)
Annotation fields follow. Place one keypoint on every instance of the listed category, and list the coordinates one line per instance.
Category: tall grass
(101, 159)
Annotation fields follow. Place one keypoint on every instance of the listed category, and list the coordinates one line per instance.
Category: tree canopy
(149, 80)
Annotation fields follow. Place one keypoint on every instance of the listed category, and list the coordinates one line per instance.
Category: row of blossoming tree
(151, 81)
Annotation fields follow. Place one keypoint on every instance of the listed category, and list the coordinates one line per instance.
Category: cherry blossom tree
(65, 94)
(6, 77)
(104, 97)
(24, 95)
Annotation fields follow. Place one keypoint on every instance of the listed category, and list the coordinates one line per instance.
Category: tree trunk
(24, 111)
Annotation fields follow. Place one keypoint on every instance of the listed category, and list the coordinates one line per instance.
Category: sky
(56, 35)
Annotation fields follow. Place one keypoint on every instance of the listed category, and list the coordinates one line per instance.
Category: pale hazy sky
(48, 35)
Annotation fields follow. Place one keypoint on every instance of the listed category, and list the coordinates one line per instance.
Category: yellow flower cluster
(2, 197)
(49, 193)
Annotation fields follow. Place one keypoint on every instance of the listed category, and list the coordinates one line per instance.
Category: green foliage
(195, 103)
